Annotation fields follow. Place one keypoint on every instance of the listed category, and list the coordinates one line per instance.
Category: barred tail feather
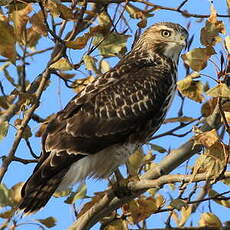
(35, 195)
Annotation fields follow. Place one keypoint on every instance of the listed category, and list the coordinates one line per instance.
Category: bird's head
(164, 38)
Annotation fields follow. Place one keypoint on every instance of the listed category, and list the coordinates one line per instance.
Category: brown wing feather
(118, 107)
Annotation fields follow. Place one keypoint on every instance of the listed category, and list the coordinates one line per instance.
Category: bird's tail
(36, 192)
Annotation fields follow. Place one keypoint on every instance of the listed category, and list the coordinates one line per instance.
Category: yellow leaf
(228, 3)
(135, 161)
(198, 57)
(79, 194)
(7, 41)
(160, 201)
(185, 214)
(104, 66)
(209, 219)
(112, 45)
(227, 43)
(224, 202)
(139, 209)
(90, 63)
(221, 90)
(191, 89)
(61, 64)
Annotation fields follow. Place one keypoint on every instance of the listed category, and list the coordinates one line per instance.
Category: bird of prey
(112, 116)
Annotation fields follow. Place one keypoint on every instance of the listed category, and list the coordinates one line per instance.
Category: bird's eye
(166, 33)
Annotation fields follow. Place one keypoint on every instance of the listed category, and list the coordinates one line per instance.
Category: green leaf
(90, 63)
(191, 89)
(79, 194)
(112, 44)
(158, 148)
(49, 222)
(4, 126)
(61, 64)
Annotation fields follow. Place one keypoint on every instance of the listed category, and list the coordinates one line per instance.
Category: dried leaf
(7, 214)
(117, 224)
(61, 64)
(221, 90)
(67, 76)
(136, 12)
(38, 25)
(32, 37)
(207, 139)
(209, 219)
(179, 119)
(49, 222)
(7, 41)
(60, 10)
(142, 23)
(208, 107)
(209, 35)
(225, 202)
(178, 204)
(191, 89)
(198, 57)
(88, 205)
(4, 126)
(79, 43)
(185, 214)
(19, 14)
(79, 194)
(112, 44)
(139, 209)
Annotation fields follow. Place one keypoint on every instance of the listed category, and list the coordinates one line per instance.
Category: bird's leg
(120, 187)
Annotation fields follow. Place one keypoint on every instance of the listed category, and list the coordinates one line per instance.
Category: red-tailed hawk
(101, 126)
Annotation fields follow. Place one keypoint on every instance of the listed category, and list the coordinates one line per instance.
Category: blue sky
(50, 103)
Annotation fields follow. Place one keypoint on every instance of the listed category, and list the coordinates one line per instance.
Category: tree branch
(168, 164)
(25, 121)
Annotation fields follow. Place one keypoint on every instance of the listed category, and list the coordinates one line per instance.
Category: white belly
(99, 165)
